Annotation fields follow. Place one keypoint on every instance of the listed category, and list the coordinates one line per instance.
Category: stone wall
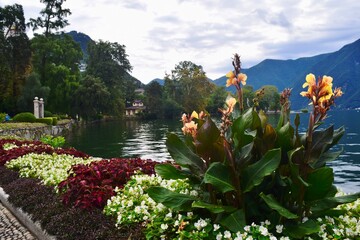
(37, 133)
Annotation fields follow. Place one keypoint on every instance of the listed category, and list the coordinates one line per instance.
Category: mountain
(343, 65)
(82, 39)
(158, 80)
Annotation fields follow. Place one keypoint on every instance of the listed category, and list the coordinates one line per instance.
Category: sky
(159, 34)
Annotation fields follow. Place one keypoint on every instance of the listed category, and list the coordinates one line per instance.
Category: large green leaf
(170, 199)
(254, 174)
(183, 155)
(212, 207)
(219, 176)
(332, 202)
(275, 205)
(295, 155)
(285, 137)
(234, 222)
(326, 157)
(320, 183)
(301, 230)
(168, 171)
(245, 124)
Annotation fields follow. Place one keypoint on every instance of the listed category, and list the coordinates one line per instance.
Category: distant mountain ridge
(343, 65)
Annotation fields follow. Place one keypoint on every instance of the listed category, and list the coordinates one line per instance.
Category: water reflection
(146, 139)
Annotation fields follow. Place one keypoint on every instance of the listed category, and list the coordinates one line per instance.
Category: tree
(31, 89)
(217, 99)
(15, 54)
(91, 98)
(193, 86)
(109, 62)
(271, 98)
(60, 71)
(153, 100)
(52, 17)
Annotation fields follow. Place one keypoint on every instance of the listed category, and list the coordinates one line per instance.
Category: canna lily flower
(194, 114)
(230, 102)
(242, 78)
(321, 94)
(190, 128)
(233, 80)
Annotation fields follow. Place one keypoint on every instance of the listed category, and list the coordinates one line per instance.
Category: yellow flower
(231, 79)
(230, 102)
(194, 115)
(242, 78)
(310, 80)
(230, 74)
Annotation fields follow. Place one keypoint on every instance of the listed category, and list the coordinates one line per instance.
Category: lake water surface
(146, 139)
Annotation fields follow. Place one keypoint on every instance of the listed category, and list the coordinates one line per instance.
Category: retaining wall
(37, 133)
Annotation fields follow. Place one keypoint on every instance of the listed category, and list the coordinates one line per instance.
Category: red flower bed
(90, 186)
(36, 147)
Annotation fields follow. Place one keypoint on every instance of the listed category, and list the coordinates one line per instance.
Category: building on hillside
(136, 108)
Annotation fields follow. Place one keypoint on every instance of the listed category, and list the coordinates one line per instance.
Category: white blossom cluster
(131, 204)
(50, 168)
(9, 146)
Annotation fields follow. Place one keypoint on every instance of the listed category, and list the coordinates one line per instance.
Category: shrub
(2, 117)
(55, 121)
(46, 120)
(24, 117)
(47, 113)
(55, 142)
(90, 186)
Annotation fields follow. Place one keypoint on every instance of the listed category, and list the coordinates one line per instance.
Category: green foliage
(24, 117)
(2, 117)
(55, 142)
(255, 172)
(15, 54)
(55, 121)
(91, 98)
(52, 17)
(46, 120)
(47, 113)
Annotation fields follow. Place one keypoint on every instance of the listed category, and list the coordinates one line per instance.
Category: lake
(146, 139)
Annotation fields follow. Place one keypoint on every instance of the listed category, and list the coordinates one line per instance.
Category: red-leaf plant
(90, 186)
(26, 147)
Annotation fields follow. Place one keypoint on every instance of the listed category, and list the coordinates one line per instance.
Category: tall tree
(52, 17)
(91, 98)
(60, 71)
(109, 62)
(194, 86)
(217, 100)
(153, 99)
(15, 54)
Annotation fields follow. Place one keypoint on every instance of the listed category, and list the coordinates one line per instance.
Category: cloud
(160, 34)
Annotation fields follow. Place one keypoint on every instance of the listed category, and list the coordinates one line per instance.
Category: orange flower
(190, 128)
(242, 78)
(233, 80)
(230, 102)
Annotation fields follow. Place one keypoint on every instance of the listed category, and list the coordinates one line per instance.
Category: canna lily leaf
(254, 174)
(170, 199)
(320, 183)
(212, 207)
(218, 176)
(275, 205)
(332, 202)
(168, 171)
(208, 133)
(234, 222)
(183, 155)
(301, 230)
